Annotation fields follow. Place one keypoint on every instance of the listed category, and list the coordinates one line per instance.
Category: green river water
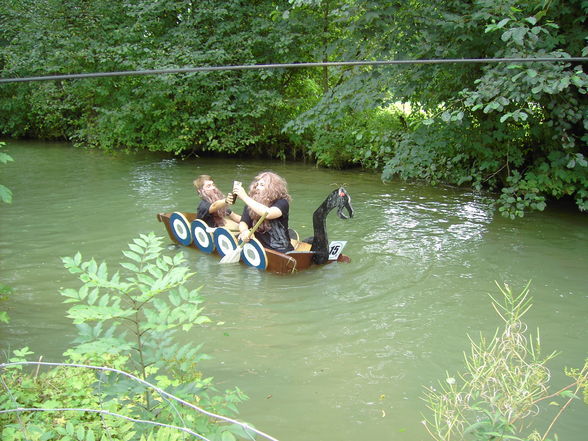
(340, 352)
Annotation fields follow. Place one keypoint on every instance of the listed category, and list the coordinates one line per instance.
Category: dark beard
(212, 196)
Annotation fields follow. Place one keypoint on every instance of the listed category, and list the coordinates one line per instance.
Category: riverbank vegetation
(505, 385)
(126, 353)
(5, 198)
(519, 129)
(5, 192)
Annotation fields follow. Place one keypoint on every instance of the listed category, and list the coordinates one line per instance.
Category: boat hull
(178, 227)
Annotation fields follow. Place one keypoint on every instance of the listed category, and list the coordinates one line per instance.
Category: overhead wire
(290, 66)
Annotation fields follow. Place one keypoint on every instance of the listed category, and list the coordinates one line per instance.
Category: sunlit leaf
(5, 194)
(132, 256)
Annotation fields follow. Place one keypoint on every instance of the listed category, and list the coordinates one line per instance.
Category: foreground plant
(6, 197)
(5, 192)
(503, 385)
(61, 387)
(4, 291)
(128, 321)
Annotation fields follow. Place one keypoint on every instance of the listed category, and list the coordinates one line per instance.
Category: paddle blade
(232, 256)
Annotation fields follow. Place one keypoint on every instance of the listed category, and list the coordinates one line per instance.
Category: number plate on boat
(335, 248)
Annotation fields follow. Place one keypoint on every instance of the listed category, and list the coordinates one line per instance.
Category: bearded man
(213, 206)
(267, 193)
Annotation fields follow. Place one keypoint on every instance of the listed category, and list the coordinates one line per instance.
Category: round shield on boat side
(202, 238)
(224, 241)
(254, 254)
(180, 228)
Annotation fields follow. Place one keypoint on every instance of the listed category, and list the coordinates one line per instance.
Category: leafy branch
(128, 321)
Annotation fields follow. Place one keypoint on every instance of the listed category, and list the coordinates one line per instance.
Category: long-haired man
(213, 208)
(267, 193)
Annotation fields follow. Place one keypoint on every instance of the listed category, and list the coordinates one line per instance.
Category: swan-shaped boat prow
(339, 199)
(185, 229)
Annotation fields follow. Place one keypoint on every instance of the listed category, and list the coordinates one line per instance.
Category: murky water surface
(340, 352)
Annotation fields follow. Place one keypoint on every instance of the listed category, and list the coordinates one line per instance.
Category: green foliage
(127, 320)
(516, 129)
(544, 103)
(137, 317)
(504, 384)
(56, 388)
(224, 112)
(519, 129)
(6, 197)
(580, 376)
(4, 291)
(357, 139)
(5, 193)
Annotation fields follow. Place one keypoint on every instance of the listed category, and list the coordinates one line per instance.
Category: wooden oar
(234, 255)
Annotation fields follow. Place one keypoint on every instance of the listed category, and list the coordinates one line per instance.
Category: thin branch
(495, 173)
(569, 386)
(558, 415)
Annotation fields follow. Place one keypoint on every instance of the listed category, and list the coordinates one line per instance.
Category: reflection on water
(337, 352)
(155, 182)
(425, 230)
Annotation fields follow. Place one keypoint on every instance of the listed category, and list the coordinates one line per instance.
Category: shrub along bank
(518, 129)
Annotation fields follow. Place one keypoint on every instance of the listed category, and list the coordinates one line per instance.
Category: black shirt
(202, 212)
(277, 236)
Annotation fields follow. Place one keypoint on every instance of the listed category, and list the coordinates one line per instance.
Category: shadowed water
(340, 352)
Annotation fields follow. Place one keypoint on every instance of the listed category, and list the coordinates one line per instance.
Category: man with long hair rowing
(213, 208)
(267, 193)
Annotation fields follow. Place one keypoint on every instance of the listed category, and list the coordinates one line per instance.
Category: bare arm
(215, 206)
(221, 203)
(257, 207)
(243, 232)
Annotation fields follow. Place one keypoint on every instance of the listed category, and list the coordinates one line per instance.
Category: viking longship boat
(184, 229)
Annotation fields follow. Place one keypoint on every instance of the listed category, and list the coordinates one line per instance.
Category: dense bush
(517, 129)
(220, 111)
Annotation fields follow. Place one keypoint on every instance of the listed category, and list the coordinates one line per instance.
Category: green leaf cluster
(4, 291)
(128, 320)
(5, 192)
(53, 389)
(518, 128)
(216, 112)
(6, 197)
